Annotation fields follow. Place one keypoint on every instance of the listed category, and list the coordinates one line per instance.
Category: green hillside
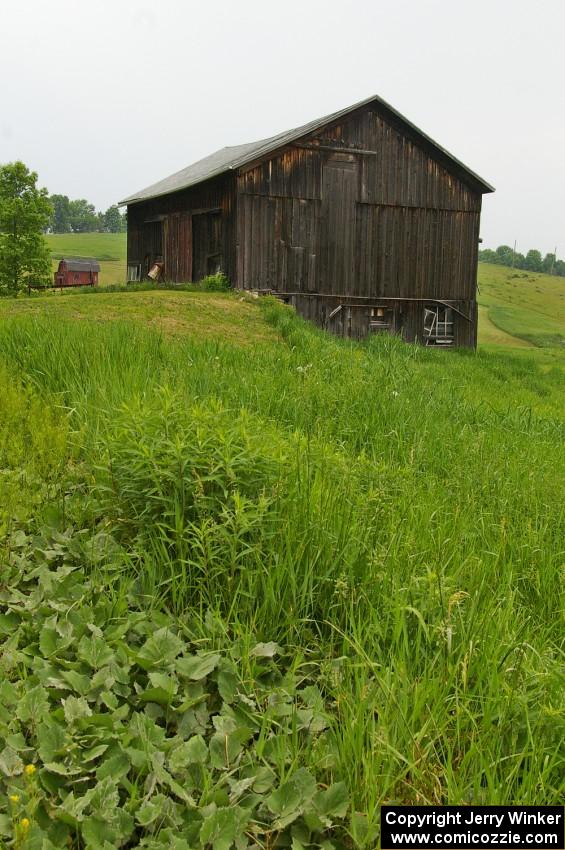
(516, 309)
(521, 308)
(273, 577)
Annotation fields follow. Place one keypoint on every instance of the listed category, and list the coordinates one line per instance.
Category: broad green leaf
(78, 682)
(193, 751)
(227, 685)
(10, 762)
(6, 826)
(116, 766)
(62, 769)
(160, 649)
(95, 652)
(156, 695)
(264, 780)
(93, 753)
(197, 667)
(17, 742)
(109, 699)
(288, 801)
(9, 623)
(97, 833)
(33, 706)
(150, 810)
(52, 741)
(332, 802)
(103, 678)
(8, 693)
(103, 799)
(225, 748)
(265, 650)
(221, 828)
(161, 680)
(76, 708)
(48, 641)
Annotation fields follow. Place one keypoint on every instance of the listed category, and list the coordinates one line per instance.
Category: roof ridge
(218, 161)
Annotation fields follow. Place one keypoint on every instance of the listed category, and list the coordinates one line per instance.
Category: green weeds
(391, 517)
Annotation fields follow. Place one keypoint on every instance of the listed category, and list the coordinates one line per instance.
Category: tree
(83, 216)
(61, 217)
(487, 255)
(505, 255)
(24, 215)
(113, 220)
(549, 263)
(533, 261)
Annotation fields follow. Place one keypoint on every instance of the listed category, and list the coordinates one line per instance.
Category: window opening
(381, 319)
(134, 272)
(438, 325)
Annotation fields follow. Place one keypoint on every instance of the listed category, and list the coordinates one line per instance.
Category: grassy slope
(517, 309)
(201, 315)
(525, 306)
(409, 521)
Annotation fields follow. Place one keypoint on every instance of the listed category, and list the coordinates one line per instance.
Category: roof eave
(463, 172)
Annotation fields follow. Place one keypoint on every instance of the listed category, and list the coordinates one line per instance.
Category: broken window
(438, 325)
(381, 319)
(134, 272)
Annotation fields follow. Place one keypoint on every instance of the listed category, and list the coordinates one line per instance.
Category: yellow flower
(24, 823)
(15, 798)
(30, 769)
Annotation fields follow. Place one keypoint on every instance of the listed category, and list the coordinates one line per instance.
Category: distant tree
(113, 222)
(548, 263)
(559, 268)
(504, 254)
(61, 217)
(83, 216)
(519, 261)
(533, 261)
(25, 212)
(488, 256)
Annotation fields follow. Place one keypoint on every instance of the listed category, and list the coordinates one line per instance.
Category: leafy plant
(119, 730)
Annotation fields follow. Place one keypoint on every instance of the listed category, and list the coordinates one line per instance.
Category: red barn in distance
(77, 271)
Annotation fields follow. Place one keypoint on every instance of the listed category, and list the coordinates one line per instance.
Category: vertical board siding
(175, 211)
(294, 173)
(364, 208)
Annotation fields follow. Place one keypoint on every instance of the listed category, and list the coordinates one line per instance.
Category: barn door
(339, 192)
(206, 244)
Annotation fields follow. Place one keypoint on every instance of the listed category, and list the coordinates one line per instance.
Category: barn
(359, 220)
(77, 271)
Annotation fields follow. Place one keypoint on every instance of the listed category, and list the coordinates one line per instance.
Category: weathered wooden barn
(77, 271)
(358, 219)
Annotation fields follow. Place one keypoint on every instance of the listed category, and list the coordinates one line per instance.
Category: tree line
(80, 216)
(531, 262)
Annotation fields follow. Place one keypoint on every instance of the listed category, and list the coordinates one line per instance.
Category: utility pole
(553, 259)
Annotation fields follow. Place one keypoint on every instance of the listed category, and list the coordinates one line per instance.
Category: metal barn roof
(81, 264)
(231, 158)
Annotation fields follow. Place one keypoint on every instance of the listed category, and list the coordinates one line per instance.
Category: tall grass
(396, 514)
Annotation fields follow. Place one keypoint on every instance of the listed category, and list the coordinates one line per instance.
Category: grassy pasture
(109, 249)
(357, 548)
(525, 306)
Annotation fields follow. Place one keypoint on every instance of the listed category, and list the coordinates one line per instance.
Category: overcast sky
(105, 97)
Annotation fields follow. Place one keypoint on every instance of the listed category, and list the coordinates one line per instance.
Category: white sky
(104, 97)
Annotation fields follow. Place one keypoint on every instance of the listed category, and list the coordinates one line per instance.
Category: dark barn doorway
(207, 256)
